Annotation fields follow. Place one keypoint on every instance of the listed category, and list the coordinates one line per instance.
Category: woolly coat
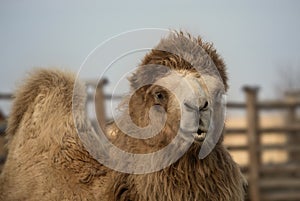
(47, 161)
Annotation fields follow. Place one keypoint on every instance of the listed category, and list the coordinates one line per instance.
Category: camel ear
(216, 125)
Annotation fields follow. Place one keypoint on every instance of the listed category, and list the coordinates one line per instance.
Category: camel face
(189, 103)
(180, 101)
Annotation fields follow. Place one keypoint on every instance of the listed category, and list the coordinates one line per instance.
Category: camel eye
(159, 96)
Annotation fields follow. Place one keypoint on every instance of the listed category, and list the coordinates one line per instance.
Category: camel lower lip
(199, 137)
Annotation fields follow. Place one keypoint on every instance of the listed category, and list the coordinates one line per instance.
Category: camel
(56, 154)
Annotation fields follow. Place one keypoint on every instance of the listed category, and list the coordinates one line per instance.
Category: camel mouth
(200, 135)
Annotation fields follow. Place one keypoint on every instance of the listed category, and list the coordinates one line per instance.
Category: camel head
(179, 91)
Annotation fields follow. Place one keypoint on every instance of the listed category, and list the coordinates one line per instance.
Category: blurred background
(259, 41)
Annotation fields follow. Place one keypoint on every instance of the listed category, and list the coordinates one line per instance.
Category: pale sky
(255, 38)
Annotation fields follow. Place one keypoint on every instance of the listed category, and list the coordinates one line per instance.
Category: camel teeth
(200, 137)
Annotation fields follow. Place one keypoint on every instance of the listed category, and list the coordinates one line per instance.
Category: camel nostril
(204, 107)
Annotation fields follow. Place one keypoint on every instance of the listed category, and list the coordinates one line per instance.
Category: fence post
(291, 120)
(253, 141)
(100, 104)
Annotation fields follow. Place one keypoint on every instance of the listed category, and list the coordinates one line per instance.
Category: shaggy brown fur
(47, 161)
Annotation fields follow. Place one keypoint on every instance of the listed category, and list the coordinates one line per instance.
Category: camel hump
(45, 95)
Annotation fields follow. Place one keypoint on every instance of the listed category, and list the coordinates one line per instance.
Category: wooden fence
(265, 181)
(272, 182)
